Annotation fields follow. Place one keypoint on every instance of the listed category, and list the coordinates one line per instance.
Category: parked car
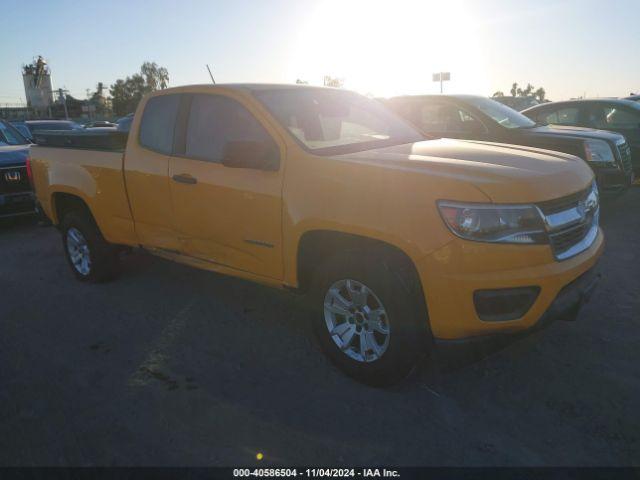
(517, 103)
(38, 125)
(100, 124)
(124, 124)
(394, 239)
(480, 118)
(621, 116)
(16, 196)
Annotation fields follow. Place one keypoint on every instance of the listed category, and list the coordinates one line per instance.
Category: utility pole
(61, 93)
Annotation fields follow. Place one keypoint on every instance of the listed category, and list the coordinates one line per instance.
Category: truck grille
(565, 203)
(562, 241)
(625, 156)
(572, 223)
(14, 180)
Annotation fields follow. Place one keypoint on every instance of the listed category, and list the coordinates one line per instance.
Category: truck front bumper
(613, 180)
(452, 276)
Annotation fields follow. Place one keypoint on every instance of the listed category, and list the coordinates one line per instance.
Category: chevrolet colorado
(397, 241)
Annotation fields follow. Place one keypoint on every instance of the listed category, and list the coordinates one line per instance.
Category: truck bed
(93, 172)
(91, 139)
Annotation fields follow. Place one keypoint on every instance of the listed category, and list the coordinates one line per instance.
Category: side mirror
(251, 154)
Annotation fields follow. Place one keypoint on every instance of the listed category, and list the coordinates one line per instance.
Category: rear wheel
(90, 256)
(369, 318)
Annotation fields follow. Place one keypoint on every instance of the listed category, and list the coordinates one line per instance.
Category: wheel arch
(65, 202)
(315, 246)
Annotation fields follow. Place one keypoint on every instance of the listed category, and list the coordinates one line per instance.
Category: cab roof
(251, 87)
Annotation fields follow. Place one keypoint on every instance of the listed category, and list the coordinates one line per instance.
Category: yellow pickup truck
(396, 240)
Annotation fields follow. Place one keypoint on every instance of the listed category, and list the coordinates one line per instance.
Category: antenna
(211, 75)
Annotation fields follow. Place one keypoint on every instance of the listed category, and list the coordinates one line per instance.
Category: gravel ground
(173, 366)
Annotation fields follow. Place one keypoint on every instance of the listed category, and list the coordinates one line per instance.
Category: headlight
(494, 223)
(598, 151)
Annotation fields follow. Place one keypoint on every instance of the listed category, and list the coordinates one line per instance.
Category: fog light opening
(502, 305)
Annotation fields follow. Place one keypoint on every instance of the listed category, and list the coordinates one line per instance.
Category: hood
(13, 155)
(504, 173)
(557, 131)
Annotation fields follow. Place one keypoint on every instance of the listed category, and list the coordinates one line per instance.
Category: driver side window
(564, 116)
(444, 118)
(616, 117)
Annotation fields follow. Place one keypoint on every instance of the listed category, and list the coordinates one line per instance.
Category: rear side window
(158, 123)
(214, 121)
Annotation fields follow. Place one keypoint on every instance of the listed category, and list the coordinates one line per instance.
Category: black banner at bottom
(431, 473)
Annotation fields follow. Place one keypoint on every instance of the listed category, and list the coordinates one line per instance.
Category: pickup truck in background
(472, 117)
(396, 241)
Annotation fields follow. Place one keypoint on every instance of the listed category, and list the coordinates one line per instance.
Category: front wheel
(90, 256)
(369, 318)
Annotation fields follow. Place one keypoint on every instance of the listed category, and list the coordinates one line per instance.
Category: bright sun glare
(392, 47)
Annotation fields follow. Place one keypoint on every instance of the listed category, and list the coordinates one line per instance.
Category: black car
(16, 195)
(124, 124)
(621, 116)
(480, 118)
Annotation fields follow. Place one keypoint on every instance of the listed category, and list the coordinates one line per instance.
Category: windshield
(23, 130)
(10, 136)
(327, 121)
(505, 116)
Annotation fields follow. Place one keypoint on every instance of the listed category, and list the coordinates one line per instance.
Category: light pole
(441, 77)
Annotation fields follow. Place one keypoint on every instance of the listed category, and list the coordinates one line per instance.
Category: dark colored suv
(621, 116)
(479, 118)
(16, 197)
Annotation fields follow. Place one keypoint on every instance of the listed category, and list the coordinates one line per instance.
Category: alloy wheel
(357, 320)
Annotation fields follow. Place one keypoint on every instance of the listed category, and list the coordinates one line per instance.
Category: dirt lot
(174, 366)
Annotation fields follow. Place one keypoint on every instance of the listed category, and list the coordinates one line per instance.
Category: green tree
(127, 93)
(526, 92)
(156, 77)
(529, 91)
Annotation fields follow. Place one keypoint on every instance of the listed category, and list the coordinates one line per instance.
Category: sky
(570, 47)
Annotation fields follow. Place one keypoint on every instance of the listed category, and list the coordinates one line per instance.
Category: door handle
(185, 178)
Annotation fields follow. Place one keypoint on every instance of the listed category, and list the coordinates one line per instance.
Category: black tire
(397, 287)
(103, 255)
